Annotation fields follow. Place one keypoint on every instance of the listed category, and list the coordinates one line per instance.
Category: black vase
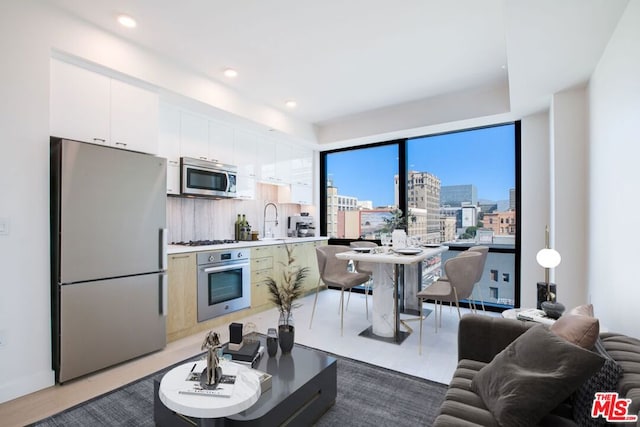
(272, 342)
(286, 335)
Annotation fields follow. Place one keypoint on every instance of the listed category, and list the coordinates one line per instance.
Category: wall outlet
(4, 226)
(3, 338)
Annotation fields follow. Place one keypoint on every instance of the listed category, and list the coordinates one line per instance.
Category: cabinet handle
(121, 143)
(203, 158)
(173, 162)
(99, 139)
(179, 256)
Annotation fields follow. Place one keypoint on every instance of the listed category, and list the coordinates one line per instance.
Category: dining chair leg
(315, 301)
(421, 321)
(455, 294)
(349, 298)
(341, 312)
(366, 302)
(481, 298)
(440, 314)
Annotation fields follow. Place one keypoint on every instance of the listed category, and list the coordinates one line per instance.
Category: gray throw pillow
(532, 376)
(605, 379)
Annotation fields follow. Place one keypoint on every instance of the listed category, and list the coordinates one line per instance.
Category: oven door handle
(226, 267)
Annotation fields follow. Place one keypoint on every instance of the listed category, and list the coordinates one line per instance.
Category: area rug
(367, 395)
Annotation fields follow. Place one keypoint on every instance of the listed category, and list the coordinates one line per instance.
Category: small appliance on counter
(301, 226)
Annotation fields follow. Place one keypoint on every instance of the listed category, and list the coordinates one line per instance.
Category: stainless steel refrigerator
(108, 256)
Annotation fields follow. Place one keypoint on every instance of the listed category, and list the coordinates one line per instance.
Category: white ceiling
(340, 59)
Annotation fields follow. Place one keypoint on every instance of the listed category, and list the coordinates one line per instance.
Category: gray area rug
(367, 395)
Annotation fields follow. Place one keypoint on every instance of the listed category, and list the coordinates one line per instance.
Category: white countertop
(179, 249)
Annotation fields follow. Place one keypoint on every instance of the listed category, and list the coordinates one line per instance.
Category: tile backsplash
(199, 219)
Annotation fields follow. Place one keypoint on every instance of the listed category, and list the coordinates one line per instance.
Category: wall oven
(224, 282)
(207, 179)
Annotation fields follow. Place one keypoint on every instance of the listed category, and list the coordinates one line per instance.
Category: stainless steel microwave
(207, 179)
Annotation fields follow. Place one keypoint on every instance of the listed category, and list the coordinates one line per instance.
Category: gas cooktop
(204, 242)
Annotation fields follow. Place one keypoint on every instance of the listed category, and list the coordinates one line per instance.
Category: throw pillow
(584, 310)
(605, 379)
(577, 329)
(533, 375)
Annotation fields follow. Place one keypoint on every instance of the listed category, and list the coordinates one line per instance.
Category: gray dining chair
(363, 267)
(484, 250)
(461, 273)
(333, 272)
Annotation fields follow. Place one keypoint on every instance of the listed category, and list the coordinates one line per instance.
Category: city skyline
(459, 158)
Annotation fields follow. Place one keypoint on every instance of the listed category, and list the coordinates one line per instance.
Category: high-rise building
(458, 195)
(337, 203)
(423, 192)
(512, 199)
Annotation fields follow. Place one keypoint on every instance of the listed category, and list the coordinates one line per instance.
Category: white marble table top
(393, 257)
(246, 391)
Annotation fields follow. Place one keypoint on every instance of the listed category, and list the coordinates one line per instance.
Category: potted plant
(397, 225)
(397, 220)
(283, 293)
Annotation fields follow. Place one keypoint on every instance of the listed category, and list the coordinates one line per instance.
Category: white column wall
(614, 99)
(569, 156)
(25, 322)
(535, 211)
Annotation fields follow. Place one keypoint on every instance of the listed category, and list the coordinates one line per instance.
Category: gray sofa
(481, 338)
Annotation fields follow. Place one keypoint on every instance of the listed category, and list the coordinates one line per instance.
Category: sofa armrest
(482, 337)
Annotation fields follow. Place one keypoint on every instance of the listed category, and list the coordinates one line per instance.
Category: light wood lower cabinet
(261, 269)
(266, 261)
(182, 309)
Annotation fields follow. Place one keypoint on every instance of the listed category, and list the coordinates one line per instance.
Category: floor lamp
(548, 258)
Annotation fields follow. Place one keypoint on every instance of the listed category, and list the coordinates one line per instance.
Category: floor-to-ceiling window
(458, 188)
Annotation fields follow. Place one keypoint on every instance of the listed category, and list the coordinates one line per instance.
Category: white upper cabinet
(169, 144)
(79, 103)
(245, 152)
(301, 166)
(283, 163)
(91, 107)
(194, 136)
(134, 118)
(266, 149)
(220, 143)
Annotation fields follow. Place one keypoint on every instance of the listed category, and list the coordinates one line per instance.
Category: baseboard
(26, 384)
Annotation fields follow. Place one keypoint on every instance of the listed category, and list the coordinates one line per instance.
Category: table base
(368, 333)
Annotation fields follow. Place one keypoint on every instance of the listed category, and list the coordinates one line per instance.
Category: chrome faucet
(264, 219)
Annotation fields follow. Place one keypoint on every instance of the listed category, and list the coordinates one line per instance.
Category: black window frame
(402, 191)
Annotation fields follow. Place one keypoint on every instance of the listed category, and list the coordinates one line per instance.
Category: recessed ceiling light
(291, 103)
(127, 21)
(230, 72)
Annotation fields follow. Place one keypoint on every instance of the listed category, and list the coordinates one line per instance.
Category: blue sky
(484, 157)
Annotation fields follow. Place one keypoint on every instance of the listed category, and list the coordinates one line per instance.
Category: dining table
(388, 263)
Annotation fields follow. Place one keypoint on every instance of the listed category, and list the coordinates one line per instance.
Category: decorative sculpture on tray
(210, 377)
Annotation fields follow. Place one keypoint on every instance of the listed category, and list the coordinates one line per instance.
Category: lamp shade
(548, 258)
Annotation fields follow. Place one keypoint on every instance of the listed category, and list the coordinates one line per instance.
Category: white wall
(614, 203)
(535, 211)
(568, 191)
(24, 200)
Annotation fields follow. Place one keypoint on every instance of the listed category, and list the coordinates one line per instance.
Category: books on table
(223, 389)
(534, 315)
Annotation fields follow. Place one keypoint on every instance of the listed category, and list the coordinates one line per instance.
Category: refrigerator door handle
(164, 294)
(163, 248)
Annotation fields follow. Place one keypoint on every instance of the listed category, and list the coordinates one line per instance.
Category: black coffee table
(303, 388)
